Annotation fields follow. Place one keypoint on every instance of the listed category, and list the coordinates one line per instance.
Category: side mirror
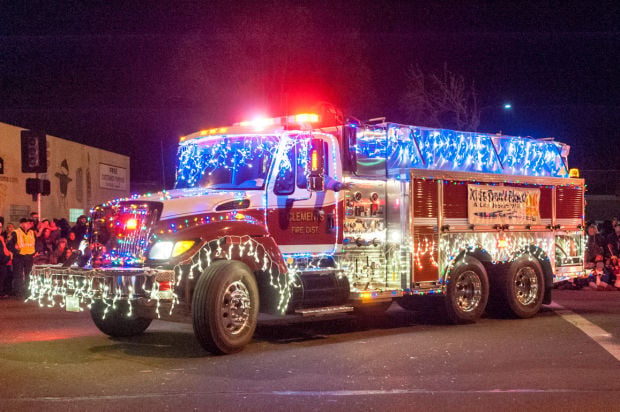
(316, 177)
(349, 146)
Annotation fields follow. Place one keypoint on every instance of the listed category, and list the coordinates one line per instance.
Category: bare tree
(443, 100)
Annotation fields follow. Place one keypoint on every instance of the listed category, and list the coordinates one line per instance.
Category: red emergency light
(131, 224)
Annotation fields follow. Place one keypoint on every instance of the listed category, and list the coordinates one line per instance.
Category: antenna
(377, 120)
(163, 167)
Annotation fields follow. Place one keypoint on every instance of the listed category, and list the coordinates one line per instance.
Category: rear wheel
(114, 321)
(467, 292)
(225, 307)
(519, 290)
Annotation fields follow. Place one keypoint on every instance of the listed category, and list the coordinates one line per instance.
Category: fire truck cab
(292, 218)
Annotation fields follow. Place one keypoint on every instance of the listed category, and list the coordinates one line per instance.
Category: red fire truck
(293, 218)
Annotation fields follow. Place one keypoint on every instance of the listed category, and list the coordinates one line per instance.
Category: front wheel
(114, 320)
(467, 292)
(225, 307)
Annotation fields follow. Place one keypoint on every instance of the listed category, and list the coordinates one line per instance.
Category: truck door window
(285, 181)
(302, 163)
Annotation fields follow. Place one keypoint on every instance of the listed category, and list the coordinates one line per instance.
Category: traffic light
(45, 187)
(35, 186)
(34, 152)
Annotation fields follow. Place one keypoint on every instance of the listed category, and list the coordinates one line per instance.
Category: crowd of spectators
(37, 242)
(602, 258)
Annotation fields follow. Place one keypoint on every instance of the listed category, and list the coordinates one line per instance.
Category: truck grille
(122, 231)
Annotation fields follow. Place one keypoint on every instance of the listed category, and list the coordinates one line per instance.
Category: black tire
(225, 307)
(518, 291)
(115, 322)
(467, 292)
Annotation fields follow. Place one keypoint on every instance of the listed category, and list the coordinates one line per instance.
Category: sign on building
(113, 177)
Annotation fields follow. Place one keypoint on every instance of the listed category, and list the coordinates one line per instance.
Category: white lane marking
(412, 391)
(594, 332)
(370, 392)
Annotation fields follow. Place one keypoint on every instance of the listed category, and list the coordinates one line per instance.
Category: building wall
(602, 207)
(80, 177)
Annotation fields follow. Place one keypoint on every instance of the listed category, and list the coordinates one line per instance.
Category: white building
(80, 177)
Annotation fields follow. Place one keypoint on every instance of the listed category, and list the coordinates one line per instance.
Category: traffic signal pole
(34, 160)
(38, 199)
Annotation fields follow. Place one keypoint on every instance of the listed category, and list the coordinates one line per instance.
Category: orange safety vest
(25, 241)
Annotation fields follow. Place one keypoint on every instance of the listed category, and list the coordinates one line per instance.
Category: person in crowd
(62, 252)
(6, 235)
(615, 273)
(38, 230)
(44, 248)
(594, 246)
(34, 216)
(54, 231)
(3, 231)
(601, 277)
(64, 227)
(80, 229)
(72, 239)
(10, 228)
(612, 243)
(22, 244)
(5, 259)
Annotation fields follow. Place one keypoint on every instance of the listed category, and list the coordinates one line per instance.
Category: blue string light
(225, 162)
(404, 147)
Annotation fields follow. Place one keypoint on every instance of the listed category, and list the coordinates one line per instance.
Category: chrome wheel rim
(526, 286)
(468, 291)
(235, 308)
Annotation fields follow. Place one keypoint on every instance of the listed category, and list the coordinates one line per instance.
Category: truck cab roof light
(304, 118)
(260, 123)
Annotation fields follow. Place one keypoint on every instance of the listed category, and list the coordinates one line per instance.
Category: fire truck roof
(389, 147)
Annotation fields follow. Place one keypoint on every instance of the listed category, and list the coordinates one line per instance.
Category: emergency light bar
(263, 122)
(259, 124)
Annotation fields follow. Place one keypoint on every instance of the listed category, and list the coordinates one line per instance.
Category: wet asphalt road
(52, 360)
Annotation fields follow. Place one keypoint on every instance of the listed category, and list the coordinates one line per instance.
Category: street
(566, 358)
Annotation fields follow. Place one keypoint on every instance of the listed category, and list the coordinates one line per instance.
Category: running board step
(325, 310)
(321, 271)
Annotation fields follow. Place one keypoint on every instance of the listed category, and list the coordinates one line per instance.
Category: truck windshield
(225, 162)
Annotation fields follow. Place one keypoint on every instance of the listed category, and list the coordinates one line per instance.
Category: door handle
(329, 222)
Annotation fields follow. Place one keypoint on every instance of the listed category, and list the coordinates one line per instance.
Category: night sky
(132, 77)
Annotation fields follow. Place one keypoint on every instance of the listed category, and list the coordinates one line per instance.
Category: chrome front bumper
(76, 288)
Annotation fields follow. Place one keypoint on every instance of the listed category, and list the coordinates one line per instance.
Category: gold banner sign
(490, 205)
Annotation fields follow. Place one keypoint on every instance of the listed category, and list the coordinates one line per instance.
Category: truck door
(302, 221)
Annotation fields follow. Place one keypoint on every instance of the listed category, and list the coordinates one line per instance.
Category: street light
(507, 106)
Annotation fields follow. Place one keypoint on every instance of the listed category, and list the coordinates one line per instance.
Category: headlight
(161, 250)
(166, 249)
